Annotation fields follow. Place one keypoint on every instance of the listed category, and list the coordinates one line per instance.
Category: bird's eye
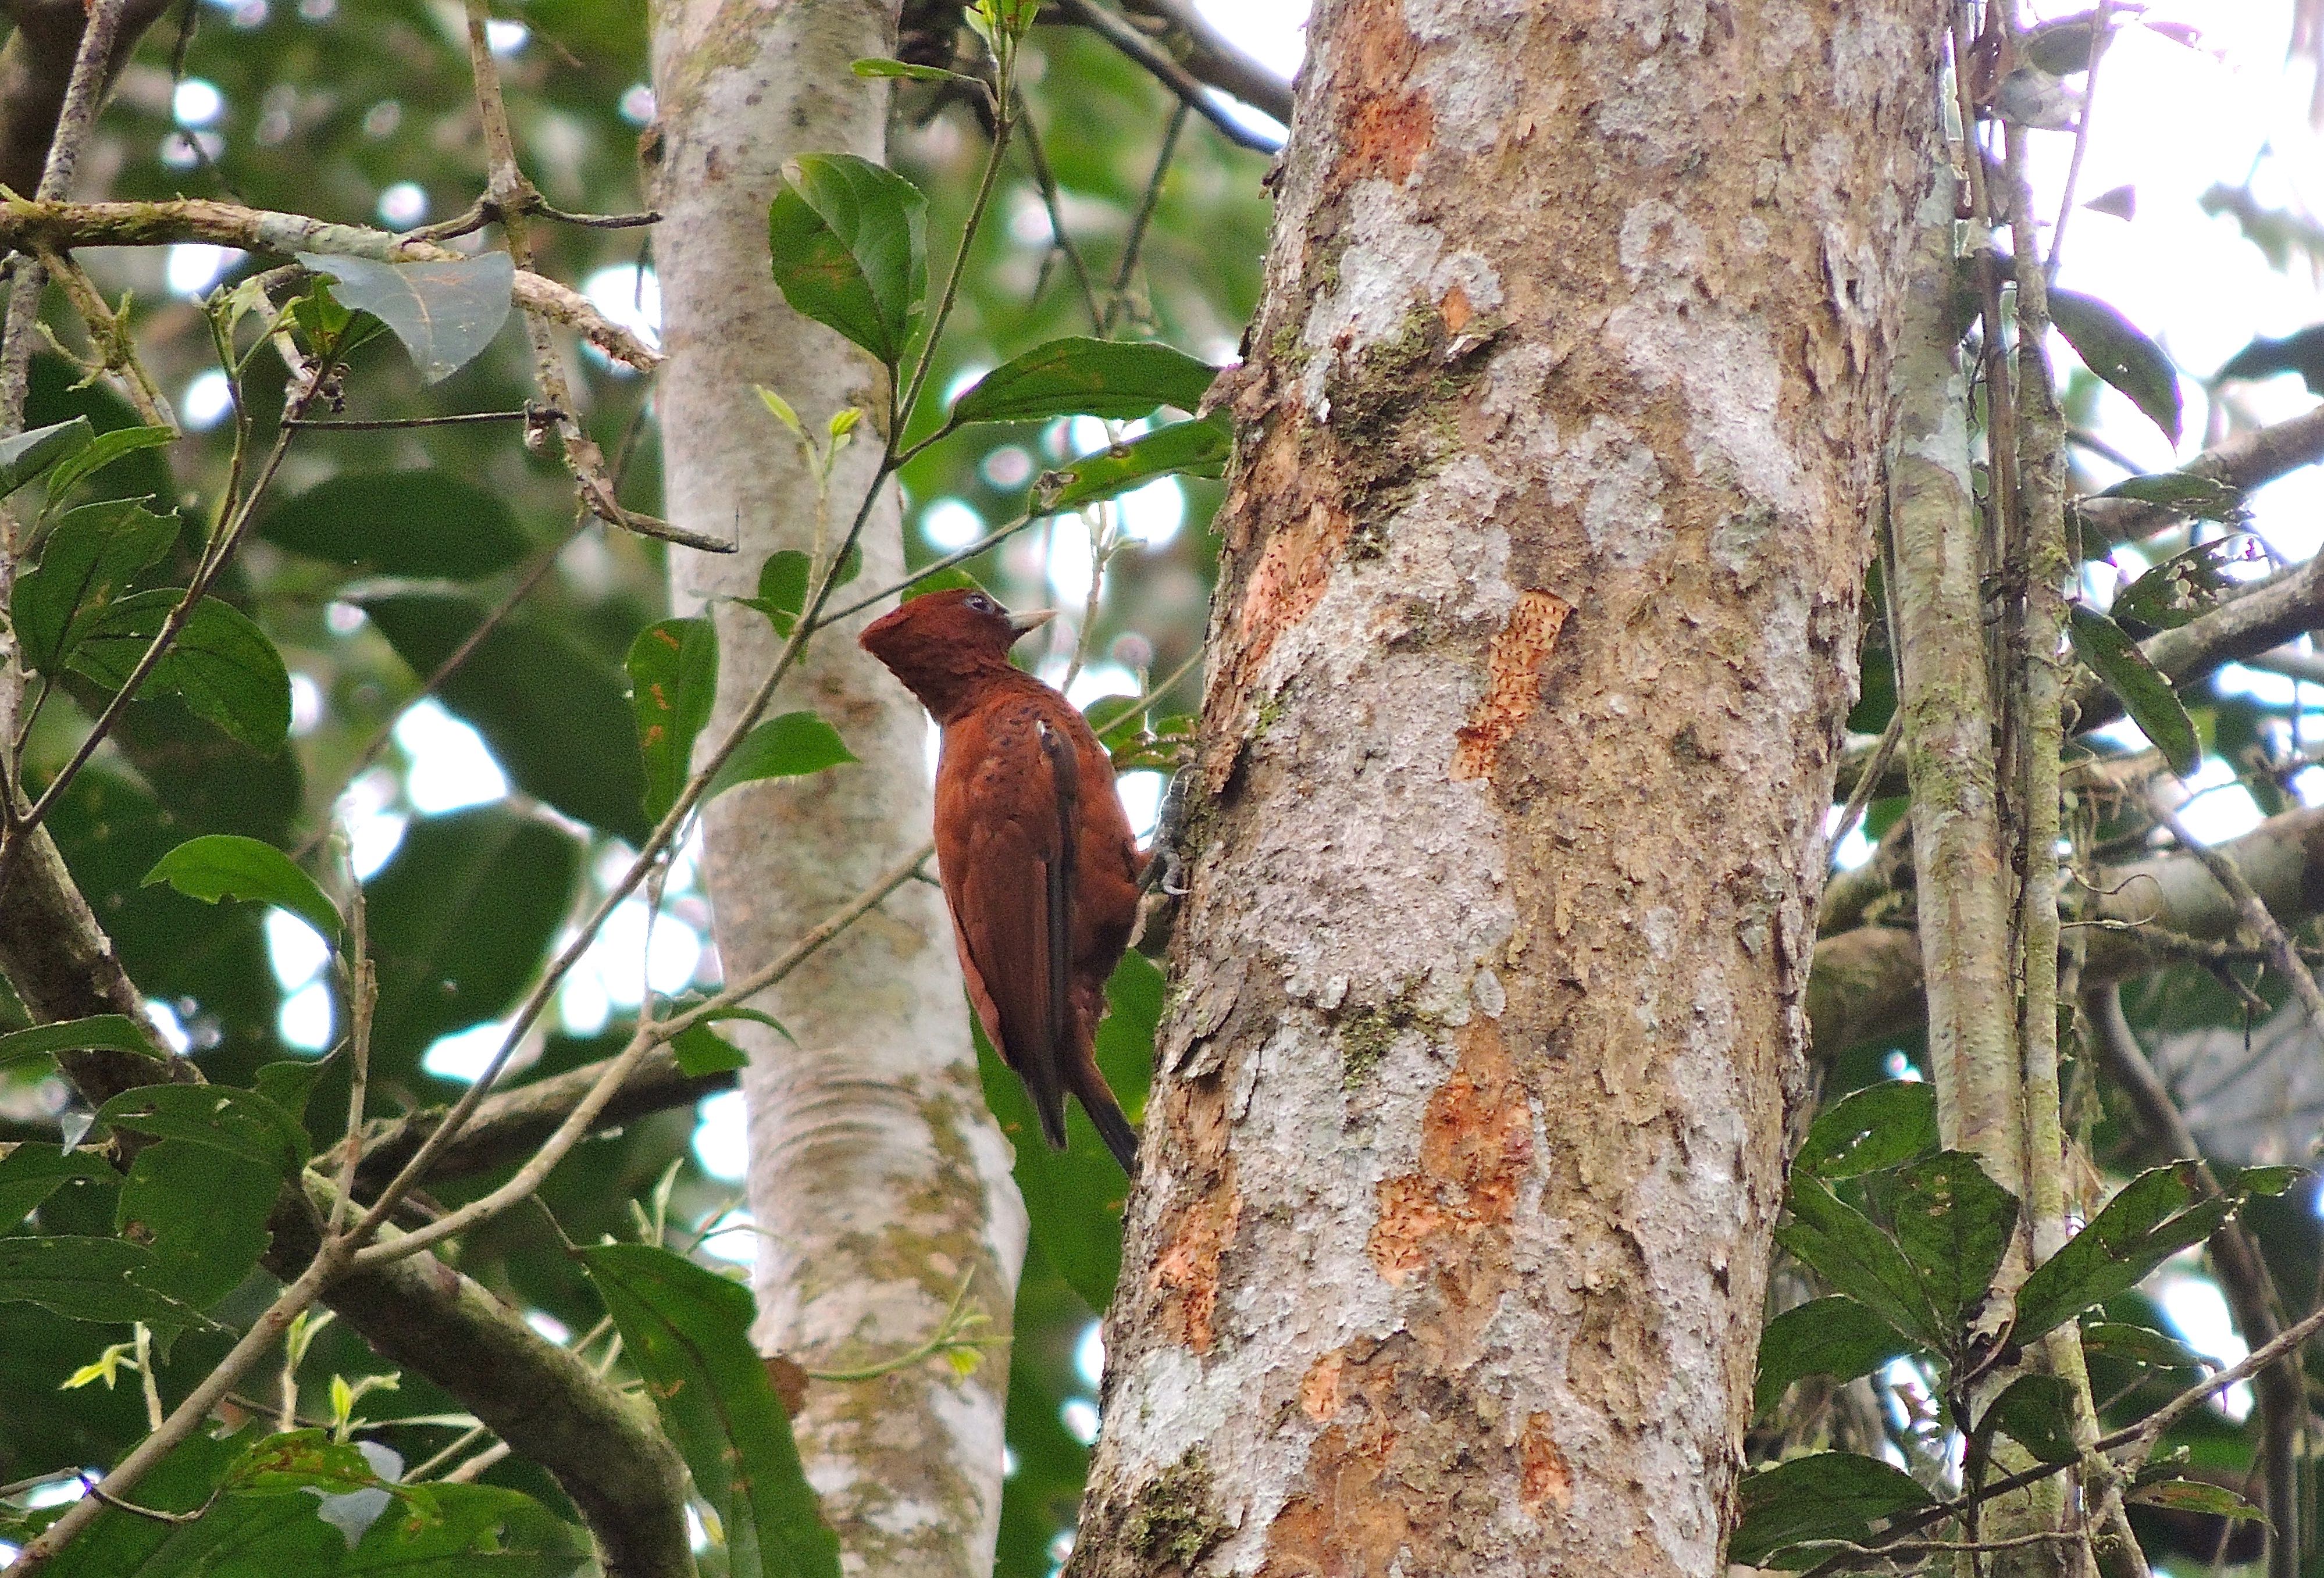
(983, 604)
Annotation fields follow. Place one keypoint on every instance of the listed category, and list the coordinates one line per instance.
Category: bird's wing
(1005, 795)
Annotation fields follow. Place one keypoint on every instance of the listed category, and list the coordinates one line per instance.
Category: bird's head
(938, 644)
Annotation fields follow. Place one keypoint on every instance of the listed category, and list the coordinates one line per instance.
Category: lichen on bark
(1535, 628)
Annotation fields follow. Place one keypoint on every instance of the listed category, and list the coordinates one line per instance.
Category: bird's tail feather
(1112, 1127)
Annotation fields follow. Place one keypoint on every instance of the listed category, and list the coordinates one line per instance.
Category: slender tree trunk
(878, 1181)
(1536, 624)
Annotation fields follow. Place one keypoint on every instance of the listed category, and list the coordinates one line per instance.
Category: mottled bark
(1535, 626)
(878, 1180)
(1962, 881)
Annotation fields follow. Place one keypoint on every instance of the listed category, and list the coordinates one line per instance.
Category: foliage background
(362, 112)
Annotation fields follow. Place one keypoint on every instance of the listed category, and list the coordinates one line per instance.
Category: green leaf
(105, 1032)
(1195, 448)
(300, 1460)
(222, 866)
(2184, 585)
(1077, 376)
(2140, 1345)
(260, 1515)
(2264, 1181)
(788, 747)
(25, 455)
(462, 1531)
(2195, 1496)
(673, 681)
(444, 312)
(1076, 1196)
(1843, 1247)
(289, 1082)
(1879, 1126)
(1825, 1495)
(701, 1051)
(687, 1331)
(952, 578)
(1953, 1224)
(2117, 352)
(33, 1171)
(417, 523)
(2146, 695)
(215, 1117)
(200, 1209)
(2062, 46)
(101, 452)
(848, 239)
(2300, 350)
(2183, 494)
(89, 1279)
(221, 663)
(1834, 1335)
(2157, 1214)
(783, 589)
(459, 919)
(2037, 1412)
(89, 559)
(123, 1544)
(557, 717)
(878, 66)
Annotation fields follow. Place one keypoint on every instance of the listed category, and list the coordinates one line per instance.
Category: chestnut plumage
(1039, 865)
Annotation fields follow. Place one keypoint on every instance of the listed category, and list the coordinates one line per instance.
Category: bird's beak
(1021, 623)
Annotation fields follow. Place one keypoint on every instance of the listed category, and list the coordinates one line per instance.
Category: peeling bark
(878, 1180)
(1535, 629)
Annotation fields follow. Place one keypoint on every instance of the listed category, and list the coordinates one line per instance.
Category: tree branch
(2271, 612)
(1866, 984)
(65, 226)
(2243, 462)
(1166, 71)
(2235, 1255)
(1213, 60)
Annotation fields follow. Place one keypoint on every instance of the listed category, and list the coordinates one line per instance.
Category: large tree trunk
(878, 1180)
(1536, 624)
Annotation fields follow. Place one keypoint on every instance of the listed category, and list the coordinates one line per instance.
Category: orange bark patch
(1476, 1138)
(1512, 682)
(1388, 126)
(1544, 1478)
(1187, 1273)
(1456, 310)
(1319, 1389)
(1386, 137)
(1289, 578)
(1352, 1519)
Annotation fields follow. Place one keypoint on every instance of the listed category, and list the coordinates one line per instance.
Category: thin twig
(115, 347)
(2099, 36)
(456, 419)
(648, 1034)
(1136, 242)
(1046, 181)
(84, 95)
(535, 572)
(1868, 782)
(1190, 93)
(2254, 911)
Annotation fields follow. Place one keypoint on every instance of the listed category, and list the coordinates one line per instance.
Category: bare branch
(1166, 71)
(75, 224)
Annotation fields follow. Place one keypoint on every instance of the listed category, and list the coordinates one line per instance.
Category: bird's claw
(1166, 868)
